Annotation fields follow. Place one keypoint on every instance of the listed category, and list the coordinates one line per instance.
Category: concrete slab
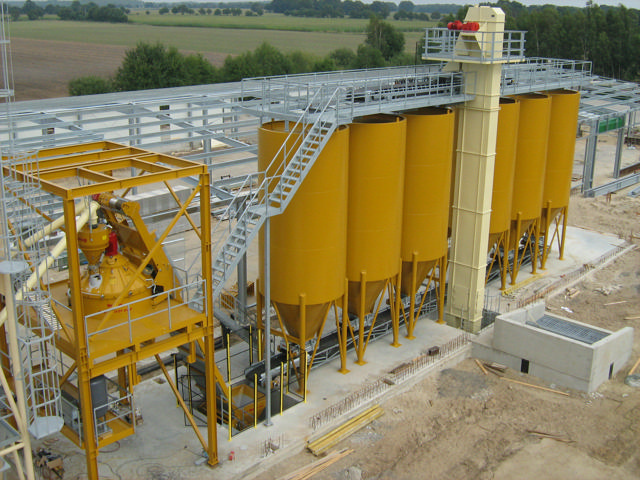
(163, 445)
(583, 246)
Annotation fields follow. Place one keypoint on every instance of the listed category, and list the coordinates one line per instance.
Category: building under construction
(241, 238)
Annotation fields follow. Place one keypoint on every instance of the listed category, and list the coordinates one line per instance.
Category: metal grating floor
(569, 329)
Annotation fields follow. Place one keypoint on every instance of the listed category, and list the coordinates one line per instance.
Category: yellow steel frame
(78, 172)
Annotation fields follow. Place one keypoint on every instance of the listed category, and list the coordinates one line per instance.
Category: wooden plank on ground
(325, 442)
(535, 386)
(308, 471)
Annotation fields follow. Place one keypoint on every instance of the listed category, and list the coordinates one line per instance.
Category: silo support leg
(360, 345)
(411, 319)
(515, 267)
(565, 213)
(395, 301)
(535, 245)
(548, 242)
(342, 329)
(442, 287)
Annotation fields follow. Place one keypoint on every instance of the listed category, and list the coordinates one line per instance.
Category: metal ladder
(277, 185)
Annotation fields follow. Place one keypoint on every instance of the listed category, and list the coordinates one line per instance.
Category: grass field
(197, 39)
(48, 53)
(271, 21)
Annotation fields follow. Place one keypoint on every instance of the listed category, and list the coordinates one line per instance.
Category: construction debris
(535, 386)
(633, 381)
(571, 292)
(310, 470)
(47, 464)
(324, 443)
(484, 370)
(496, 366)
(633, 369)
(608, 289)
(558, 438)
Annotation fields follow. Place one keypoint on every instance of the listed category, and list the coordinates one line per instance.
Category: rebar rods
(395, 376)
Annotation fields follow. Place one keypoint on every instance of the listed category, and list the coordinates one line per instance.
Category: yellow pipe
(51, 227)
(57, 250)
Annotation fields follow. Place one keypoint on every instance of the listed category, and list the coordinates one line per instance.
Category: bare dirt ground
(461, 424)
(63, 62)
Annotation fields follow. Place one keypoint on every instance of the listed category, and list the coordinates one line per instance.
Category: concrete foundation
(555, 349)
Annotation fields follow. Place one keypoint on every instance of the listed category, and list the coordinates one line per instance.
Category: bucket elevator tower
(479, 55)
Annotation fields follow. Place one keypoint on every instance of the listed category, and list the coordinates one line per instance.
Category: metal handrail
(232, 209)
(130, 321)
(262, 196)
(477, 46)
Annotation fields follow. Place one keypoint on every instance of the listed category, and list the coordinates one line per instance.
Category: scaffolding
(29, 371)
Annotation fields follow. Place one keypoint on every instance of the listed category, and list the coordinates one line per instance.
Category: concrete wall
(552, 357)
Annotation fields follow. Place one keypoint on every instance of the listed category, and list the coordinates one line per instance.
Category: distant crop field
(47, 54)
(195, 39)
(270, 21)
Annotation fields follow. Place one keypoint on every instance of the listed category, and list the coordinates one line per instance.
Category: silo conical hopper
(376, 182)
(426, 205)
(503, 185)
(308, 240)
(528, 181)
(565, 105)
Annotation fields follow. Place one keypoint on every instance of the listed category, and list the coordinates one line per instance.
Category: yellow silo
(503, 183)
(557, 182)
(528, 181)
(424, 245)
(376, 181)
(308, 241)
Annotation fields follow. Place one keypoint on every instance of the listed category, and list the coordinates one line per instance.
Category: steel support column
(267, 320)
(209, 348)
(82, 359)
(590, 151)
(618, 157)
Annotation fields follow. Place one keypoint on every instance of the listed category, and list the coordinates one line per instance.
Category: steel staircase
(277, 186)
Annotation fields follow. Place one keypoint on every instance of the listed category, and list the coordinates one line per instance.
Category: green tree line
(607, 36)
(150, 66)
(76, 11)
